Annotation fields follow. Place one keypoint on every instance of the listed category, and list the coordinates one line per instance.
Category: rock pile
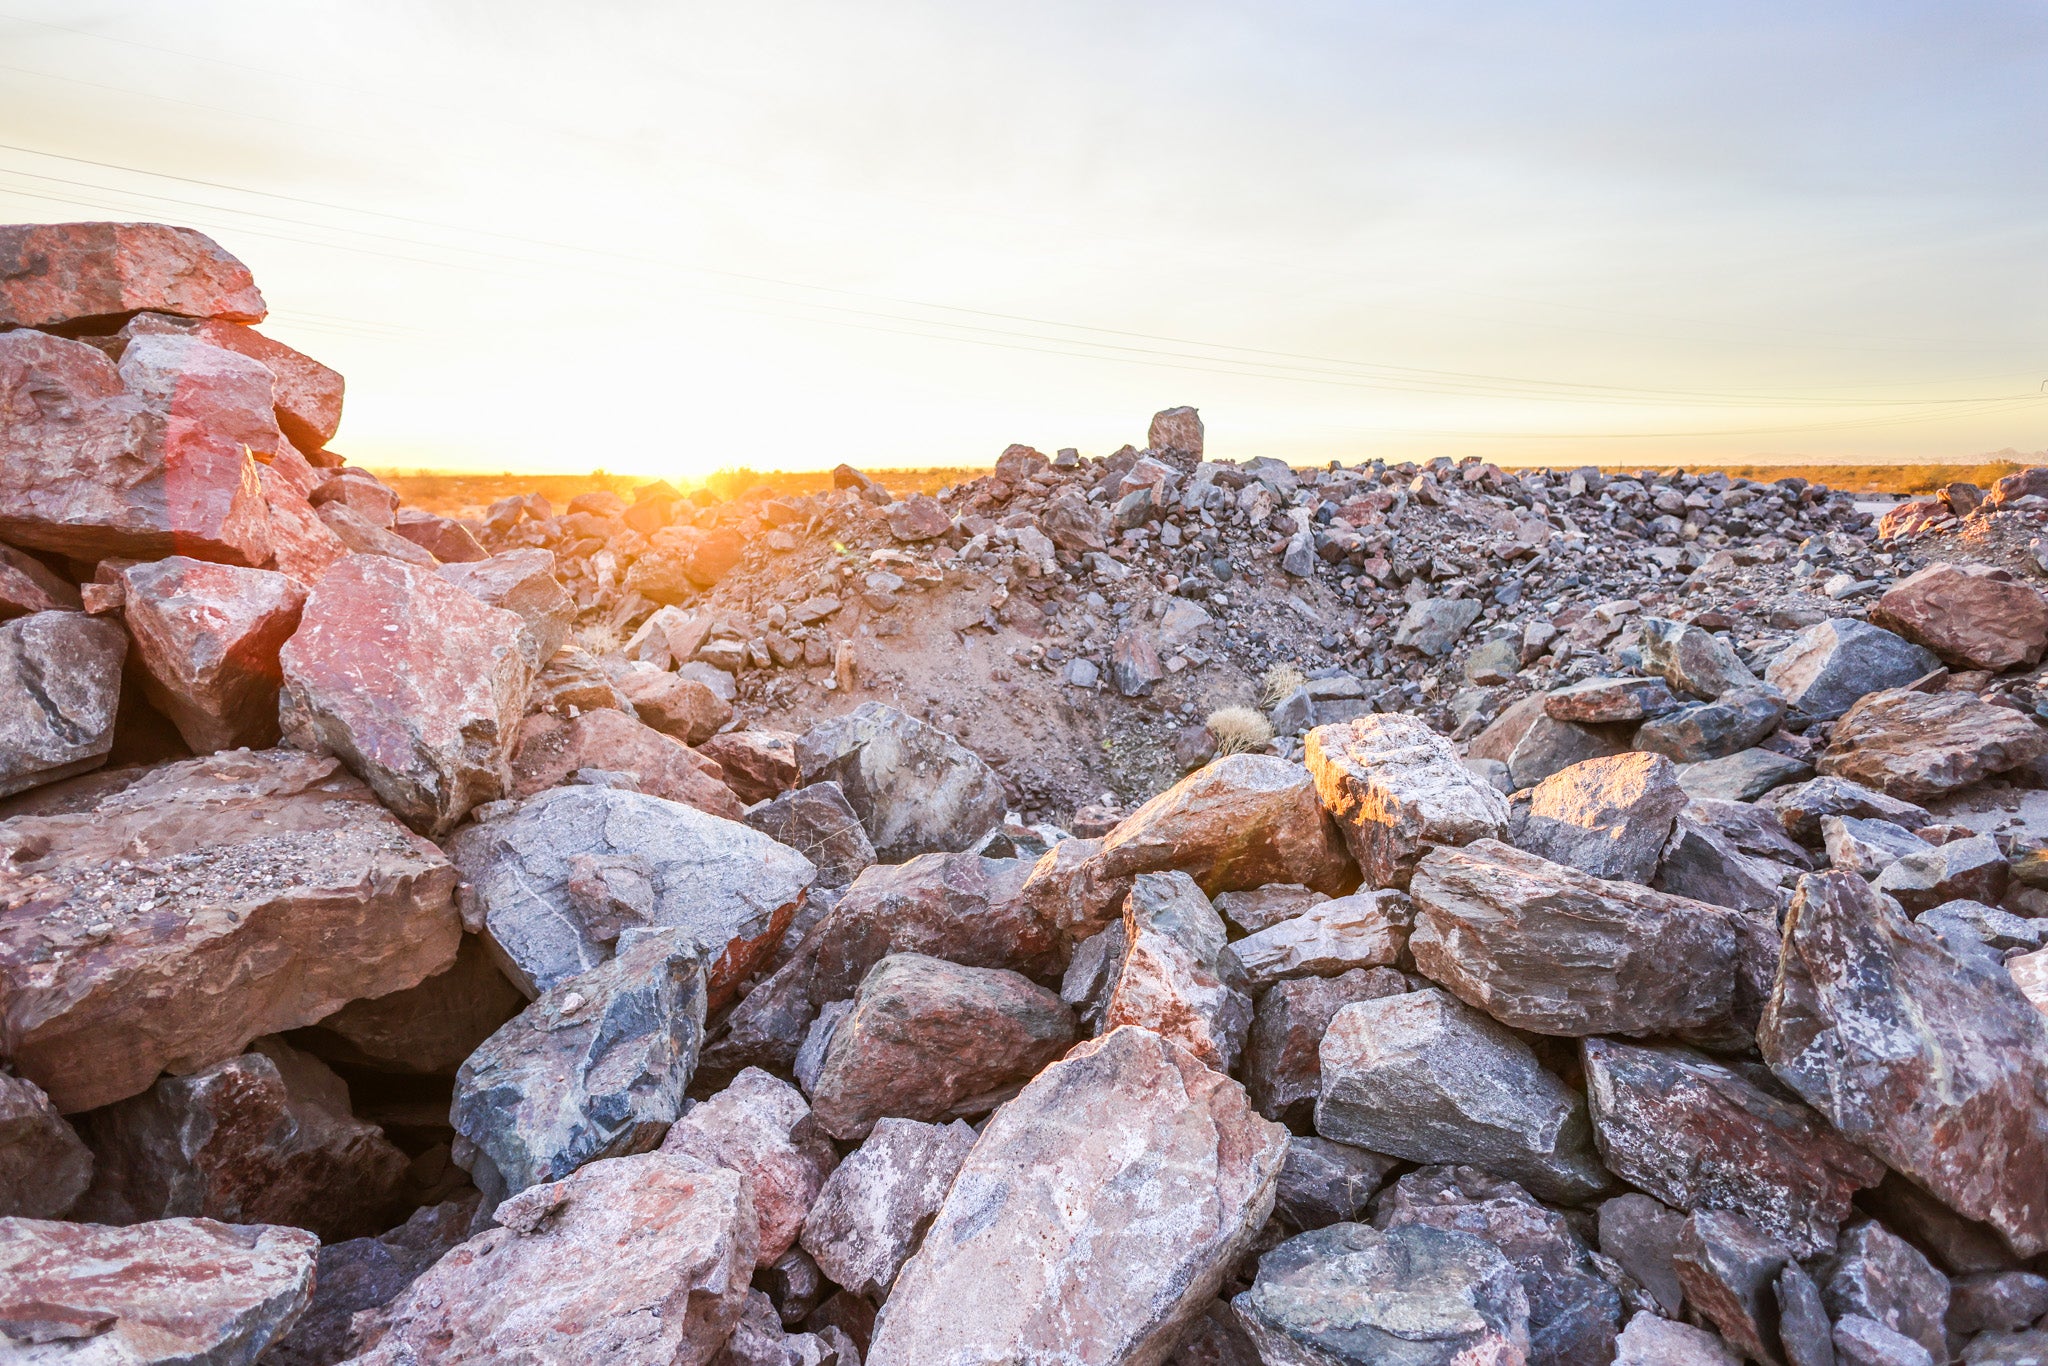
(385, 978)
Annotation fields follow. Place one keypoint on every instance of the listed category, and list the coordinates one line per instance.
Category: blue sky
(678, 237)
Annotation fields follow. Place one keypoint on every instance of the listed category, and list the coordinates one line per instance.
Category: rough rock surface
(1803, 808)
(1915, 746)
(760, 1127)
(818, 822)
(555, 882)
(874, 1208)
(1396, 787)
(1880, 1276)
(1935, 1062)
(1730, 1269)
(1180, 978)
(1109, 1200)
(1241, 821)
(1363, 930)
(294, 894)
(28, 585)
(1692, 659)
(915, 788)
(60, 681)
(425, 1030)
(1282, 1061)
(1324, 1182)
(961, 907)
(759, 764)
(68, 272)
(1421, 1077)
(1640, 1235)
(682, 708)
(1598, 701)
(521, 582)
(1552, 950)
(367, 1273)
(1973, 616)
(1828, 666)
(1651, 1341)
(551, 751)
(207, 637)
(44, 1167)
(306, 393)
(1609, 817)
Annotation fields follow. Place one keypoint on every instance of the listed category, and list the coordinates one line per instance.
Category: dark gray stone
(1881, 1276)
(60, 683)
(1713, 730)
(1743, 776)
(1801, 807)
(915, 788)
(1282, 1061)
(1324, 1182)
(1827, 667)
(1641, 1234)
(818, 823)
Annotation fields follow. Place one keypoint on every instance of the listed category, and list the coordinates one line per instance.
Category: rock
(426, 1030)
(1973, 616)
(207, 637)
(1176, 431)
(1363, 930)
(1693, 660)
(1396, 787)
(1741, 777)
(307, 395)
(917, 518)
(1702, 864)
(1755, 830)
(1640, 1235)
(1608, 817)
(523, 583)
(264, 1138)
(60, 684)
(932, 1040)
(361, 492)
(1960, 923)
(1354, 1295)
(1802, 809)
(301, 545)
(759, 1340)
(1505, 731)
(414, 683)
(819, 823)
(1324, 1183)
(1697, 1136)
(1932, 1061)
(632, 1261)
(90, 469)
(1970, 869)
(759, 765)
(555, 883)
(1261, 908)
(1548, 745)
(1867, 847)
(761, 1128)
(1494, 661)
(551, 751)
(676, 706)
(161, 1294)
(1282, 1062)
(27, 585)
(1999, 1349)
(1730, 1269)
(1828, 667)
(1915, 746)
(1958, 1245)
(1060, 1203)
(594, 1068)
(1651, 1341)
(1865, 1342)
(1878, 1275)
(873, 1210)
(1422, 1077)
(1713, 730)
(1180, 978)
(1803, 1328)
(1434, 625)
(75, 272)
(1574, 1313)
(44, 1167)
(359, 534)
(367, 1273)
(262, 891)
(1068, 888)
(1552, 950)
(2003, 1301)
(1240, 821)
(1599, 701)
(960, 907)
(915, 788)
(1134, 665)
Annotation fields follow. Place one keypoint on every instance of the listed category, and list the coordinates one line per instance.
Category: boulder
(1396, 787)
(2001, 1301)
(1351, 1294)
(1756, 829)
(1713, 730)
(676, 706)
(1324, 1183)
(60, 686)
(1859, 1341)
(555, 882)
(1802, 809)
(447, 540)
(28, 585)
(161, 1294)
(207, 637)
(1935, 1062)
(307, 394)
(1552, 950)
(1175, 431)
(1702, 864)
(594, 1068)
(1730, 1270)
(1283, 1068)
(874, 1208)
(1421, 1077)
(1640, 1235)
(264, 1138)
(761, 1128)
(1609, 817)
(632, 1261)
(1651, 1341)
(932, 1040)
(1743, 776)
(818, 822)
(1960, 923)
(44, 1167)
(1915, 746)
(425, 1030)
(2002, 1349)
(1363, 930)
(417, 686)
(1803, 1328)
(1240, 821)
(1433, 625)
(1069, 888)
(301, 545)
(1867, 847)
(1061, 1204)
(759, 765)
(1971, 869)
(552, 750)
(1549, 745)
(54, 273)
(367, 1273)
(915, 788)
(1261, 908)
(917, 518)
(1878, 1275)
(1974, 616)
(1829, 666)
(362, 536)
(523, 583)
(960, 907)
(1606, 701)
(1180, 979)
(1692, 659)
(1696, 1135)
(169, 922)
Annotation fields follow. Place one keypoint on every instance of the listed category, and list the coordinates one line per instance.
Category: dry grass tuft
(1239, 730)
(1277, 682)
(598, 637)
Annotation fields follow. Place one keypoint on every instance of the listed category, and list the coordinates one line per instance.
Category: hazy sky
(677, 237)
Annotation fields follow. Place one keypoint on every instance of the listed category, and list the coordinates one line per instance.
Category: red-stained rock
(676, 706)
(70, 272)
(917, 518)
(1918, 746)
(364, 537)
(422, 1030)
(207, 637)
(759, 764)
(206, 392)
(164, 1294)
(447, 540)
(1283, 1068)
(1242, 821)
(60, 686)
(551, 750)
(521, 582)
(761, 1128)
(90, 469)
(873, 1210)
(28, 585)
(1973, 616)
(1395, 787)
(307, 394)
(301, 544)
(414, 683)
(1179, 978)
(44, 1167)
(207, 903)
(360, 491)
(960, 907)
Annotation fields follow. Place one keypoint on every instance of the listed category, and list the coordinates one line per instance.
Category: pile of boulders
(388, 976)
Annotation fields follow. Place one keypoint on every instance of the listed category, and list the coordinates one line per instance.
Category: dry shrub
(1277, 682)
(598, 637)
(1239, 730)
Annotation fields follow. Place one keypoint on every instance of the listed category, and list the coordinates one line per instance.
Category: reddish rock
(674, 705)
(761, 1128)
(521, 582)
(60, 687)
(1730, 1269)
(207, 637)
(207, 903)
(1396, 787)
(28, 585)
(414, 683)
(89, 469)
(552, 750)
(960, 907)
(1176, 431)
(359, 490)
(1282, 1063)
(163, 1294)
(265, 1138)
(759, 764)
(71, 272)
(364, 537)
(445, 539)
(368, 1273)
(1242, 821)
(44, 1167)
(307, 393)
(917, 518)
(1068, 888)
(206, 393)
(1973, 616)
(1179, 978)
(1363, 930)
(1917, 746)
(301, 544)
(423, 1030)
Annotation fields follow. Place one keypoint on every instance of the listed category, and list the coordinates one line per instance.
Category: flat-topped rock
(1974, 616)
(1609, 817)
(1916, 746)
(70, 272)
(1396, 787)
(1238, 822)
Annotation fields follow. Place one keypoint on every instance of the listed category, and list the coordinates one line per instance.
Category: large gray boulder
(1609, 817)
(915, 788)
(60, 683)
(1396, 787)
(1692, 659)
(1829, 666)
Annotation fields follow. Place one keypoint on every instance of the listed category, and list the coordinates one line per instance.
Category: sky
(672, 238)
